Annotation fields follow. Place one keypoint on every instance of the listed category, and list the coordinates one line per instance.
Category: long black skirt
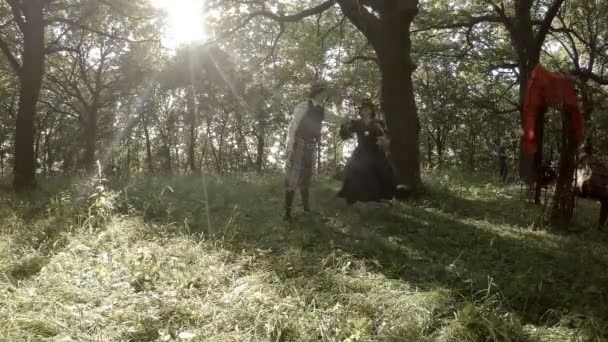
(368, 177)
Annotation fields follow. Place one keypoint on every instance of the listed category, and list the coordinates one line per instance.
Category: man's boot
(289, 195)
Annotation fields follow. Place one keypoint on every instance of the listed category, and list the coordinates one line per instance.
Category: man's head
(318, 92)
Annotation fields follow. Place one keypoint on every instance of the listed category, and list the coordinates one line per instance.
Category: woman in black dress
(368, 175)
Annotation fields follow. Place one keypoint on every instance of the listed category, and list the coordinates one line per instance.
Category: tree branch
(17, 13)
(586, 74)
(122, 12)
(363, 19)
(330, 30)
(56, 49)
(495, 110)
(101, 33)
(280, 19)
(362, 58)
(503, 66)
(57, 110)
(574, 56)
(275, 42)
(545, 25)
(286, 18)
(470, 22)
(9, 55)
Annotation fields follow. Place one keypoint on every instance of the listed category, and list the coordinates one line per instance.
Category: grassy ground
(152, 259)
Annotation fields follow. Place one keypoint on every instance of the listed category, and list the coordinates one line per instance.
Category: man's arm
(333, 119)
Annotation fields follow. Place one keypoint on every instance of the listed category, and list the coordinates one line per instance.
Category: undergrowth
(155, 259)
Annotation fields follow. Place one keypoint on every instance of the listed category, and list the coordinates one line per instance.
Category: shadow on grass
(427, 243)
(536, 273)
(505, 204)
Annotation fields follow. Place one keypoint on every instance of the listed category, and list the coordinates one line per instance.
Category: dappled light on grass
(414, 271)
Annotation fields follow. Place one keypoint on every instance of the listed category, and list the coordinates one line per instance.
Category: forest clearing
(136, 262)
(303, 170)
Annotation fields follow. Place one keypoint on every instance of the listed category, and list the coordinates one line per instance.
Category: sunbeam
(185, 21)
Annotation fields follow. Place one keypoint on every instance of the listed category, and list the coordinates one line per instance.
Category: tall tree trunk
(192, 128)
(148, 146)
(389, 35)
(167, 154)
(529, 57)
(260, 135)
(472, 151)
(37, 147)
(538, 156)
(261, 146)
(398, 100)
(137, 152)
(177, 159)
(563, 200)
(527, 43)
(90, 130)
(319, 152)
(439, 145)
(30, 77)
(429, 152)
(128, 166)
(49, 154)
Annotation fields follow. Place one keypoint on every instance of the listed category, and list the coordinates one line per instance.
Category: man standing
(303, 137)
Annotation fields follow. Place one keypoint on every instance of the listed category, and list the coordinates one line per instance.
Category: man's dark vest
(309, 129)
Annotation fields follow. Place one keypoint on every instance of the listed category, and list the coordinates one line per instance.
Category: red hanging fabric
(549, 89)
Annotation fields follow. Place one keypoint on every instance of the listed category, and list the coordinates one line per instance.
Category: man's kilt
(300, 164)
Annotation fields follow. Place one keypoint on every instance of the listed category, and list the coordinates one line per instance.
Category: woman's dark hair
(588, 147)
(367, 103)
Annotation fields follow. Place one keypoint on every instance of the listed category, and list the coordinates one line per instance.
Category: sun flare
(184, 23)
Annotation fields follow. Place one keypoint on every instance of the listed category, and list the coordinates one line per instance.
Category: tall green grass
(154, 259)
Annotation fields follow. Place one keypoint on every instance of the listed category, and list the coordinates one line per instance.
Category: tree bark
(148, 146)
(192, 122)
(168, 162)
(537, 174)
(37, 147)
(128, 163)
(439, 145)
(393, 50)
(30, 77)
(429, 152)
(563, 200)
(260, 134)
(49, 154)
(529, 57)
(90, 136)
(528, 46)
(261, 146)
(389, 35)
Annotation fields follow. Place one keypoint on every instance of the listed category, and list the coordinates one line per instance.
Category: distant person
(303, 138)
